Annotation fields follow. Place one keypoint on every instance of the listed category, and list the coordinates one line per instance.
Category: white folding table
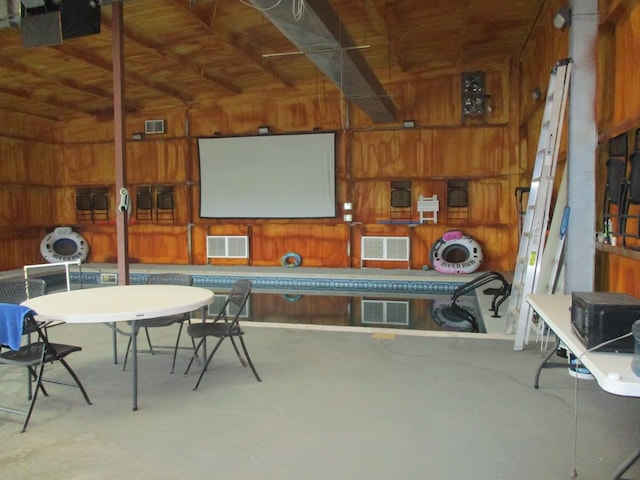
(123, 303)
(612, 371)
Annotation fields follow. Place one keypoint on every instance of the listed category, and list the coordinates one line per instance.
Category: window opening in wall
(458, 200)
(624, 218)
(144, 204)
(155, 204)
(400, 204)
(92, 204)
(83, 205)
(616, 189)
(165, 205)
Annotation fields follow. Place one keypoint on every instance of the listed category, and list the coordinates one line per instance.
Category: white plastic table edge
(119, 303)
(612, 371)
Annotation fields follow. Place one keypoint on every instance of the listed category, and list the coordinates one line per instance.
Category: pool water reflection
(432, 313)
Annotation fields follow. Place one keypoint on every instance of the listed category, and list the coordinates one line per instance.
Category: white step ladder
(525, 277)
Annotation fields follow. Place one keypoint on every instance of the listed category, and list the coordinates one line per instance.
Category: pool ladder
(500, 294)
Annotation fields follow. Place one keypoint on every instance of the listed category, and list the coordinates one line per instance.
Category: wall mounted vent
(219, 246)
(108, 278)
(385, 312)
(153, 126)
(385, 248)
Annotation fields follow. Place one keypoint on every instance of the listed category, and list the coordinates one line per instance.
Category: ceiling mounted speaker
(46, 22)
(79, 18)
(41, 30)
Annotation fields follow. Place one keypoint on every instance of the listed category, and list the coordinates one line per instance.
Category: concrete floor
(332, 405)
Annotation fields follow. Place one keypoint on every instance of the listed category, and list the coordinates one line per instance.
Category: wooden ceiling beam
(384, 9)
(12, 108)
(63, 81)
(88, 56)
(164, 50)
(224, 35)
(46, 99)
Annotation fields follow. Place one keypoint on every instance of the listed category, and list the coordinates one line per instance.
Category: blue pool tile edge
(298, 283)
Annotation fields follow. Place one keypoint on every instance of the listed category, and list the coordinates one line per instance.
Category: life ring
(64, 245)
(456, 252)
(291, 259)
(292, 297)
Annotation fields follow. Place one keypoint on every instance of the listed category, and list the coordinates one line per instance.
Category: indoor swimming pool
(404, 301)
(345, 309)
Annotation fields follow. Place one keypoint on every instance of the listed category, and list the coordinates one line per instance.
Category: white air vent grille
(109, 278)
(385, 312)
(153, 126)
(227, 247)
(385, 248)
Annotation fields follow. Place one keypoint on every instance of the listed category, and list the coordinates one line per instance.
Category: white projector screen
(269, 176)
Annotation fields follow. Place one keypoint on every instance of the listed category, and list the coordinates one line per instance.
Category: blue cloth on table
(11, 321)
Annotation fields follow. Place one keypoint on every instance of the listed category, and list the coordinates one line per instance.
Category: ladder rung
(528, 262)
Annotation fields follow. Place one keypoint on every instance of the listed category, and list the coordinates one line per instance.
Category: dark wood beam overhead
(183, 53)
(388, 18)
(88, 56)
(181, 61)
(46, 97)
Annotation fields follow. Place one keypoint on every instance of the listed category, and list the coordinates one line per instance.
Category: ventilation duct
(319, 33)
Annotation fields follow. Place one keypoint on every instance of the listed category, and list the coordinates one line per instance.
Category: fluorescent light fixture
(409, 124)
(264, 130)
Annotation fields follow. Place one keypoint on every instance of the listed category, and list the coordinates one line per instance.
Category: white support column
(583, 139)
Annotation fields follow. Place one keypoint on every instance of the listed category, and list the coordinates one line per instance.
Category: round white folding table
(122, 303)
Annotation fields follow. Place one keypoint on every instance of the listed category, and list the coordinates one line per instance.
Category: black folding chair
(225, 325)
(18, 290)
(632, 197)
(615, 195)
(16, 322)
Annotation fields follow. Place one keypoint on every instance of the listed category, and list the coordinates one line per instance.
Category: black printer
(600, 316)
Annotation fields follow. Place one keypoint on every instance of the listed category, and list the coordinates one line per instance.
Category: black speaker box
(79, 18)
(50, 23)
(41, 30)
(597, 317)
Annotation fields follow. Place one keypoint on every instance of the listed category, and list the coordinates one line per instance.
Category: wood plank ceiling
(184, 52)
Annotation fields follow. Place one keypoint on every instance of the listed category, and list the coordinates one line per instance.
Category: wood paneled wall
(618, 110)
(44, 162)
(494, 156)
(368, 157)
